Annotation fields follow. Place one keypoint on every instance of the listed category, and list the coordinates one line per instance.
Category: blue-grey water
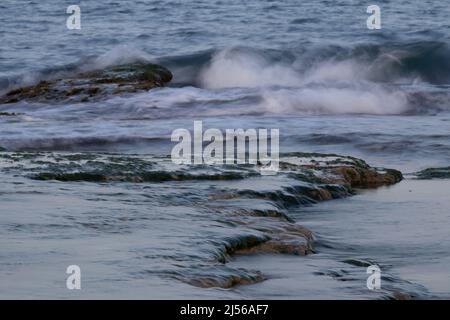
(310, 68)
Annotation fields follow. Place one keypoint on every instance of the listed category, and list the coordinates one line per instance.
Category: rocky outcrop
(290, 238)
(363, 178)
(339, 170)
(93, 85)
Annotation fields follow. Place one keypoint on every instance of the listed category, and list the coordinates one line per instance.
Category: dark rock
(434, 173)
(358, 177)
(93, 85)
(10, 114)
(226, 279)
(397, 295)
(339, 170)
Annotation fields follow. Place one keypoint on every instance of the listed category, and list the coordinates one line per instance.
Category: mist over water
(310, 68)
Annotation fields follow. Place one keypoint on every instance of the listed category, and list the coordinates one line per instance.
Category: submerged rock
(398, 295)
(93, 85)
(289, 238)
(10, 114)
(434, 173)
(217, 277)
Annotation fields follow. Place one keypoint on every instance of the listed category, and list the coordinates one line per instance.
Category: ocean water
(310, 68)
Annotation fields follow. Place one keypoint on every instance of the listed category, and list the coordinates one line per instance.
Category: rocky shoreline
(303, 179)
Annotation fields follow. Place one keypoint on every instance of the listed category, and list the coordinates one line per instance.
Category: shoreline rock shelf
(260, 220)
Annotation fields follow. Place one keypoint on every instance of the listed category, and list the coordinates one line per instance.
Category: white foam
(334, 101)
(236, 67)
(245, 69)
(240, 68)
(327, 87)
(122, 54)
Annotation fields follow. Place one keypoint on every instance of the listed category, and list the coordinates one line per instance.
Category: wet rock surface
(93, 85)
(341, 170)
(325, 177)
(434, 173)
(251, 212)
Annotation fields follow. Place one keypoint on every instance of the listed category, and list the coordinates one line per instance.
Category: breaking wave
(403, 63)
(395, 78)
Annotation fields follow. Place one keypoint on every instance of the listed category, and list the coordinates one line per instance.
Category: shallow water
(312, 69)
(403, 232)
